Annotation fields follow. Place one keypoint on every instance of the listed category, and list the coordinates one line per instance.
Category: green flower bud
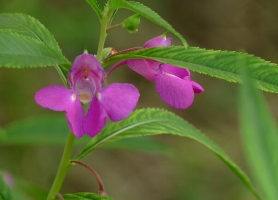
(131, 24)
(108, 51)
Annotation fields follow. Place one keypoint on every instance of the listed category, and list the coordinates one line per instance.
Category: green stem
(63, 168)
(102, 38)
(64, 79)
(103, 27)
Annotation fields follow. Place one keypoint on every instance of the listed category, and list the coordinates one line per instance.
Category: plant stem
(102, 36)
(100, 183)
(113, 27)
(103, 26)
(63, 168)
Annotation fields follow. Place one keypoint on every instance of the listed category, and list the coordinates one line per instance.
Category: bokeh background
(191, 172)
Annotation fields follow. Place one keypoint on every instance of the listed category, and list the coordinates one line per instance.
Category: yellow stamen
(73, 97)
(84, 97)
(98, 95)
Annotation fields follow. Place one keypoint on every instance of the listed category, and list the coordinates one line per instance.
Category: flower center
(86, 72)
(85, 88)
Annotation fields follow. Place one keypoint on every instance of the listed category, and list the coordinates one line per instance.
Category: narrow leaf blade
(146, 122)
(5, 192)
(219, 64)
(141, 144)
(95, 6)
(21, 51)
(260, 138)
(36, 131)
(53, 129)
(149, 14)
(85, 196)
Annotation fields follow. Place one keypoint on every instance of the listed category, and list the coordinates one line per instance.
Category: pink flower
(8, 179)
(86, 80)
(172, 83)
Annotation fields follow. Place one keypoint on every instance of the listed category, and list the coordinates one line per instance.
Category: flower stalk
(100, 183)
(103, 34)
(63, 168)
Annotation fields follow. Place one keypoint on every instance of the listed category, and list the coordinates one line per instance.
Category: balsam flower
(172, 83)
(86, 80)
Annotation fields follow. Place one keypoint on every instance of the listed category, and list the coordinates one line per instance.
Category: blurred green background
(192, 172)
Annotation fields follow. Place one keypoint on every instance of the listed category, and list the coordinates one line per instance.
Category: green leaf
(21, 51)
(23, 188)
(149, 14)
(96, 8)
(220, 64)
(30, 27)
(146, 122)
(27, 26)
(44, 130)
(85, 196)
(260, 138)
(140, 144)
(5, 193)
(53, 129)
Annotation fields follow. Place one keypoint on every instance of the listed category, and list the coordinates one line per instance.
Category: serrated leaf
(5, 193)
(27, 26)
(219, 64)
(95, 6)
(30, 27)
(36, 131)
(85, 196)
(21, 51)
(146, 122)
(149, 14)
(260, 138)
(53, 129)
(140, 144)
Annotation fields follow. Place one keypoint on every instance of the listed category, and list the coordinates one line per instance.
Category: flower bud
(132, 23)
(108, 52)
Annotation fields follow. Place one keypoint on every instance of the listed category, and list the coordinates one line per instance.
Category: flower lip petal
(75, 116)
(95, 119)
(197, 87)
(54, 97)
(174, 70)
(159, 41)
(175, 91)
(59, 98)
(143, 67)
(119, 99)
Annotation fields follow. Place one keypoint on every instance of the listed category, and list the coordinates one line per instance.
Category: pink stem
(100, 183)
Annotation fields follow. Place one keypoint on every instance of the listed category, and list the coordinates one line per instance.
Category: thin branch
(100, 183)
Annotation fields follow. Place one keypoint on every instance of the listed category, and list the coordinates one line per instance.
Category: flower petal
(59, 98)
(56, 98)
(86, 66)
(177, 71)
(119, 100)
(143, 67)
(95, 119)
(197, 87)
(158, 42)
(174, 90)
(75, 116)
